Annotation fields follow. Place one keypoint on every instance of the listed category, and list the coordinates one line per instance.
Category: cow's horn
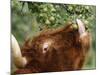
(81, 26)
(18, 59)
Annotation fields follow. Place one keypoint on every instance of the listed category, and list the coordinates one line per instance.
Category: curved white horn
(81, 26)
(85, 37)
(19, 61)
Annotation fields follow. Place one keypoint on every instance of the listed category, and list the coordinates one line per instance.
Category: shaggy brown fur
(64, 51)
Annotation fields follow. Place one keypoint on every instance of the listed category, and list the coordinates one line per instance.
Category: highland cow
(63, 49)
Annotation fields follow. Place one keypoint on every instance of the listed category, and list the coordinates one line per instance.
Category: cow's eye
(45, 47)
